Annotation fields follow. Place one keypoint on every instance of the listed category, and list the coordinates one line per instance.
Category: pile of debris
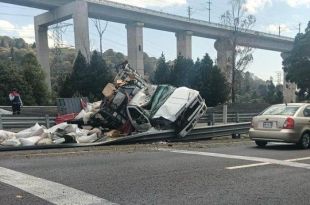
(129, 105)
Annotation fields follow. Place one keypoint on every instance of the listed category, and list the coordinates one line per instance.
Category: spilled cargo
(129, 106)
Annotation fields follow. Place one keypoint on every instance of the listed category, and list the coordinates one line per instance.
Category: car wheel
(236, 136)
(304, 141)
(261, 143)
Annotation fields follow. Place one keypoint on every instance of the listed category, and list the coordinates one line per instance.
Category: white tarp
(180, 99)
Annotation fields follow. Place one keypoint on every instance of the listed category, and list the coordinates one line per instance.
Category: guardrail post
(1, 125)
(237, 117)
(212, 118)
(225, 113)
(47, 121)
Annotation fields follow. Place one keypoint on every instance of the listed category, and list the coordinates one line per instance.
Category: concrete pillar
(289, 89)
(135, 46)
(184, 44)
(224, 48)
(81, 28)
(43, 52)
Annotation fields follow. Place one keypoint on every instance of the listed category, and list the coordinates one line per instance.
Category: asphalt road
(212, 172)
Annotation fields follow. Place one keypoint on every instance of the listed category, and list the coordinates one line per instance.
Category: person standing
(16, 101)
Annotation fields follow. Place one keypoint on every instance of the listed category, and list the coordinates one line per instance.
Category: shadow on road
(280, 147)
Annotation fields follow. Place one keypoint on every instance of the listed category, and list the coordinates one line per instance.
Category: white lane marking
(248, 165)
(262, 164)
(50, 191)
(257, 159)
(298, 159)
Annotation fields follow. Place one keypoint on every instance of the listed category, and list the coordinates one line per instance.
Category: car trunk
(269, 122)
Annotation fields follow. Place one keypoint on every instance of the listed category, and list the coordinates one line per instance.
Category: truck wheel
(236, 136)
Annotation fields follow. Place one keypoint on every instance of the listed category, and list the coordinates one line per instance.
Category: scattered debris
(130, 105)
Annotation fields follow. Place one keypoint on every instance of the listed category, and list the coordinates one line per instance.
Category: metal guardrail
(25, 122)
(213, 118)
(202, 133)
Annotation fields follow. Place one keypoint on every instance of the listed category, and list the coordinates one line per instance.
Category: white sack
(95, 130)
(87, 117)
(35, 130)
(45, 141)
(59, 126)
(80, 115)
(96, 106)
(5, 135)
(5, 112)
(30, 141)
(59, 141)
(11, 142)
(87, 139)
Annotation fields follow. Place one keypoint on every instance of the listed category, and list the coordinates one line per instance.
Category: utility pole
(209, 9)
(189, 12)
(299, 27)
(279, 30)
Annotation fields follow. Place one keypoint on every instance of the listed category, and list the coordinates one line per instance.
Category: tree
(179, 75)
(10, 78)
(98, 75)
(76, 83)
(162, 72)
(274, 93)
(35, 78)
(87, 80)
(101, 28)
(239, 21)
(210, 82)
(297, 63)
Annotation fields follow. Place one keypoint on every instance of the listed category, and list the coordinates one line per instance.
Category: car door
(303, 122)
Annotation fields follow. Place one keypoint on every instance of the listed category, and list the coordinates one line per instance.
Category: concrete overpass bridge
(136, 19)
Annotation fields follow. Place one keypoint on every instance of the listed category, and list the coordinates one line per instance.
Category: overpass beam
(289, 89)
(43, 52)
(81, 28)
(184, 44)
(225, 49)
(135, 46)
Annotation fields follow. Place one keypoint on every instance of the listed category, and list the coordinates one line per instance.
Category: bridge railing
(182, 18)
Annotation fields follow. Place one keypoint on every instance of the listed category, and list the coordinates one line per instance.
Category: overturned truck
(131, 104)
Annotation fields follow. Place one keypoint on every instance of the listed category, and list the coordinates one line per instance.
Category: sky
(17, 21)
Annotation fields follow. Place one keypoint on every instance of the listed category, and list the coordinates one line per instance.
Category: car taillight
(289, 123)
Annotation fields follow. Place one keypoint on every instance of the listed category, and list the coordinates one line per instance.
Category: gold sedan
(282, 123)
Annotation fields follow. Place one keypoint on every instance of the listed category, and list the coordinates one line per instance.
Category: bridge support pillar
(289, 89)
(184, 44)
(81, 28)
(78, 11)
(225, 49)
(135, 46)
(43, 52)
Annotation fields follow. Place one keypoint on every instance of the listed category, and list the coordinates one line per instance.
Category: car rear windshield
(281, 110)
